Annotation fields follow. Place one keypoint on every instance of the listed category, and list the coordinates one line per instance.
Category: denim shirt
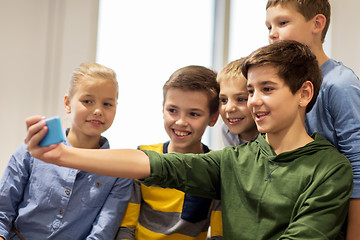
(336, 114)
(45, 201)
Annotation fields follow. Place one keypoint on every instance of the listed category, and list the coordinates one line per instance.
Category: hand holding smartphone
(55, 134)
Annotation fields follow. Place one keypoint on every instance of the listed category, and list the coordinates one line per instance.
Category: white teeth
(234, 120)
(180, 133)
(260, 114)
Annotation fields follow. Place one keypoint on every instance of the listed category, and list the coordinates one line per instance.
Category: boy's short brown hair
(196, 78)
(295, 64)
(309, 9)
(231, 71)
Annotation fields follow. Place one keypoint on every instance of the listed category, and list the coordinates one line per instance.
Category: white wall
(345, 36)
(41, 42)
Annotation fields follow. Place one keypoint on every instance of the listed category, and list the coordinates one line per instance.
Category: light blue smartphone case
(54, 134)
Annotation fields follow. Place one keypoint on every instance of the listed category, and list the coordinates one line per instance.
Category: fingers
(35, 133)
(32, 120)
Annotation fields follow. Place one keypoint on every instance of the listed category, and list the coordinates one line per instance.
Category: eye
(171, 110)
(267, 89)
(241, 99)
(223, 100)
(194, 114)
(108, 104)
(269, 27)
(282, 23)
(86, 101)
(251, 91)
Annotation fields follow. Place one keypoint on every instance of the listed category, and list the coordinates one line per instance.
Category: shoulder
(22, 154)
(337, 74)
(328, 152)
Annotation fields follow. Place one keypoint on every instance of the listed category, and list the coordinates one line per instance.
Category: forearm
(125, 163)
(353, 230)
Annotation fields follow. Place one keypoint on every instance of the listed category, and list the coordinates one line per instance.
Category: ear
(67, 104)
(306, 93)
(213, 119)
(319, 23)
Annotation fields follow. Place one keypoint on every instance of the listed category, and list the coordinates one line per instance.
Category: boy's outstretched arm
(126, 163)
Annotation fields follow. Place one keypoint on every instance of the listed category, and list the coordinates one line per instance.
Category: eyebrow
(191, 109)
(264, 83)
(236, 94)
(91, 95)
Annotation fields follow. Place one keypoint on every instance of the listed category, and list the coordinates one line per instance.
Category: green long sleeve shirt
(301, 194)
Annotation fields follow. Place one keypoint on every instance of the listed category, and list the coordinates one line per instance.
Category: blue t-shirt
(336, 114)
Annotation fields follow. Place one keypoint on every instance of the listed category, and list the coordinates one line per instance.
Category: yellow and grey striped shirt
(163, 213)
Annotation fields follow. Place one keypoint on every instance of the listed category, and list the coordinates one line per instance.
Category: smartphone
(55, 133)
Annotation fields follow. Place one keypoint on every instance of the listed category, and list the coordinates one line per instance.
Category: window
(145, 42)
(247, 27)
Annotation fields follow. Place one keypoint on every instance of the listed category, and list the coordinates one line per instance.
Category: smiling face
(233, 108)
(274, 107)
(92, 107)
(186, 116)
(285, 23)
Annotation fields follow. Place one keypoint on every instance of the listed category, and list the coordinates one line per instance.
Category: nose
(254, 100)
(181, 121)
(230, 106)
(98, 111)
(273, 35)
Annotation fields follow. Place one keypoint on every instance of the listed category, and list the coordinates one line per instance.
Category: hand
(36, 131)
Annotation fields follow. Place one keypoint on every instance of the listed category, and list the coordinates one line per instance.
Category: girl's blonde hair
(90, 71)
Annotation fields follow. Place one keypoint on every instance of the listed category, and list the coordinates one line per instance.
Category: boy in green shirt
(283, 185)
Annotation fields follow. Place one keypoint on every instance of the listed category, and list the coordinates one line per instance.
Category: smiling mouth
(260, 116)
(234, 120)
(181, 133)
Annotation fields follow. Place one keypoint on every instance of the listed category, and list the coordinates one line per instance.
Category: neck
(249, 135)
(288, 140)
(194, 148)
(83, 141)
(320, 55)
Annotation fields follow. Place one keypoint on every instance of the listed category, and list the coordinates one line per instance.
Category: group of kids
(290, 168)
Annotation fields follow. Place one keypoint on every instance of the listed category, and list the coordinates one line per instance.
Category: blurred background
(43, 41)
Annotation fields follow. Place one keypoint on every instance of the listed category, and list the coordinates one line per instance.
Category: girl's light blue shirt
(45, 201)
